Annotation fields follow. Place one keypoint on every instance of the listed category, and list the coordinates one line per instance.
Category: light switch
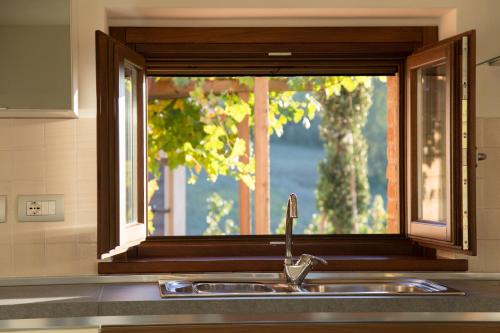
(40, 208)
(3, 208)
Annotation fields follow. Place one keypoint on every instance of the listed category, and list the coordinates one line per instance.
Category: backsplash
(59, 157)
(49, 157)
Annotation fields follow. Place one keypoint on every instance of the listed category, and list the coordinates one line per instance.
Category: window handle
(481, 157)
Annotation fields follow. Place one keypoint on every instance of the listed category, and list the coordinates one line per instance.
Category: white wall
(48, 156)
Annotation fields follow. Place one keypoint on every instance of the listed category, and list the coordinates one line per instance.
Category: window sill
(375, 263)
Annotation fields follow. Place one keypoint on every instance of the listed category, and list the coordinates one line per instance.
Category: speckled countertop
(136, 299)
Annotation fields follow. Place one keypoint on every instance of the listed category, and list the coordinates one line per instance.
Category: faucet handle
(310, 259)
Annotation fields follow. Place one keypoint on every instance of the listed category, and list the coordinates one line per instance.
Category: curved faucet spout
(296, 273)
(291, 214)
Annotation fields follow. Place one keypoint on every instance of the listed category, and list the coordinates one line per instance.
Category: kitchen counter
(97, 302)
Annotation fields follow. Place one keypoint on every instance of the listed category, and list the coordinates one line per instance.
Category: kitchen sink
(231, 288)
(340, 287)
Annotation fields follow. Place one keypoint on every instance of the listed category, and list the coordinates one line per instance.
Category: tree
(218, 209)
(342, 194)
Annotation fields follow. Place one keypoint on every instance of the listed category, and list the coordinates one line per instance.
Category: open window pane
(327, 141)
(432, 139)
(128, 144)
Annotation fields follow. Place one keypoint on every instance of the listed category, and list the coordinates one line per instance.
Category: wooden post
(392, 172)
(261, 141)
(244, 191)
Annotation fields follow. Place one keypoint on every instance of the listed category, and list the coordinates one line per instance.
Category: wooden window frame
(114, 238)
(245, 51)
(450, 53)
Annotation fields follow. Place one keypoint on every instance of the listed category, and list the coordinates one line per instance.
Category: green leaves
(200, 132)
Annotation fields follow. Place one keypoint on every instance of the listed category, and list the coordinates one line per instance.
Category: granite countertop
(143, 299)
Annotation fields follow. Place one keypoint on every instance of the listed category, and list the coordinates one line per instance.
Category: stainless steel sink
(341, 287)
(371, 287)
(231, 288)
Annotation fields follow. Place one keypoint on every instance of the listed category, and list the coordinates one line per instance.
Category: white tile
(86, 133)
(87, 259)
(480, 193)
(60, 164)
(6, 165)
(28, 233)
(6, 233)
(60, 232)
(86, 226)
(488, 224)
(61, 259)
(66, 187)
(6, 268)
(487, 257)
(6, 134)
(480, 132)
(28, 133)
(87, 195)
(491, 199)
(87, 164)
(27, 187)
(60, 133)
(28, 259)
(491, 132)
(28, 165)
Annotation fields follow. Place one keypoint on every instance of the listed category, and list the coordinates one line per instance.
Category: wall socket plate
(40, 208)
(3, 208)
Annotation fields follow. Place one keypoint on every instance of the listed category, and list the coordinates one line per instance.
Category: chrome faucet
(296, 273)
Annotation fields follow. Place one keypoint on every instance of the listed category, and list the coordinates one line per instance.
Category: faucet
(296, 273)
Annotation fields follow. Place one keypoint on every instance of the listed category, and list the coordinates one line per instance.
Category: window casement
(430, 88)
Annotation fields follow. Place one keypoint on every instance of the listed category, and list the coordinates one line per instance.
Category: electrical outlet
(33, 208)
(40, 208)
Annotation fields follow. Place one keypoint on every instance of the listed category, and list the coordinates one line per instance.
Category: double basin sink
(322, 287)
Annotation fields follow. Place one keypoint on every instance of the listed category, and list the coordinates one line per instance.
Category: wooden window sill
(275, 264)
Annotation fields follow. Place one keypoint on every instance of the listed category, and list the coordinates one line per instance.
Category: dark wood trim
(110, 61)
(244, 51)
(299, 327)
(280, 35)
(218, 246)
(226, 263)
(106, 231)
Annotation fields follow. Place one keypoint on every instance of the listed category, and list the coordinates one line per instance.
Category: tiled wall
(49, 157)
(488, 197)
(59, 157)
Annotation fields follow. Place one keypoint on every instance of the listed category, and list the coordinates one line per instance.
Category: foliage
(201, 133)
(218, 209)
(343, 191)
(377, 218)
(375, 134)
(152, 188)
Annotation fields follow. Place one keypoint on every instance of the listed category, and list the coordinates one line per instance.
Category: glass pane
(431, 143)
(336, 161)
(128, 145)
(328, 143)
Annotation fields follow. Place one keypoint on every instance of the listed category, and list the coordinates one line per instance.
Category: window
(247, 108)
(315, 140)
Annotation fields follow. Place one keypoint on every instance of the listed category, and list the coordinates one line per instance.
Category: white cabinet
(37, 59)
